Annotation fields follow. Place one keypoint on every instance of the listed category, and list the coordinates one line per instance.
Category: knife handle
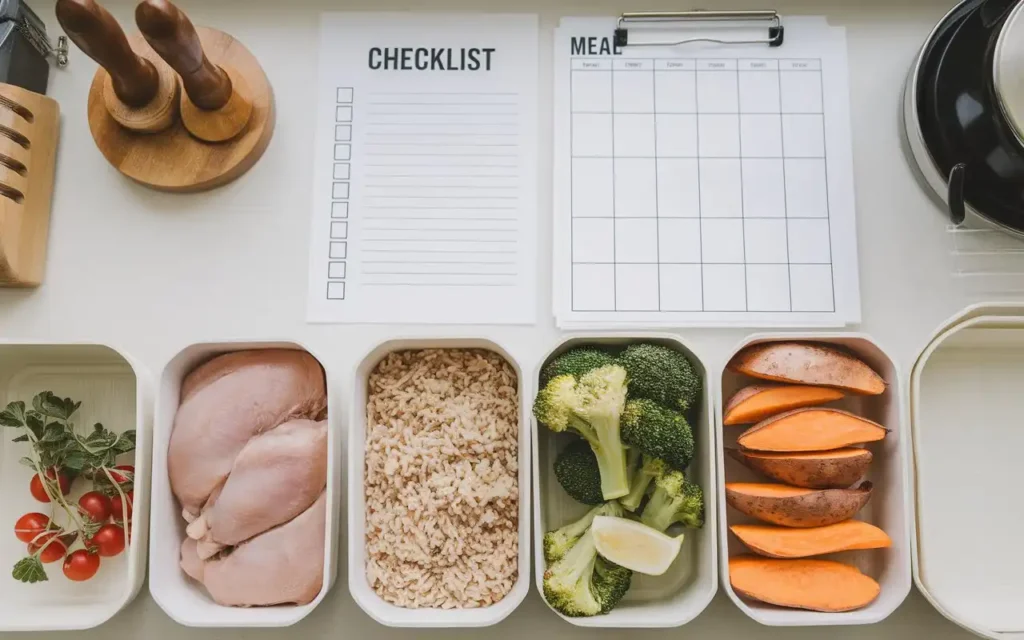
(171, 34)
(100, 37)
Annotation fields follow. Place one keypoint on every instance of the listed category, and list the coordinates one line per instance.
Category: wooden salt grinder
(139, 91)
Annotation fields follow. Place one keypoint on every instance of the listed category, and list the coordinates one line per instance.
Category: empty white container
(966, 402)
(686, 589)
(179, 596)
(889, 507)
(384, 612)
(113, 390)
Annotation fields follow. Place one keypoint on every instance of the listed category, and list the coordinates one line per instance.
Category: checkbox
(801, 91)
(759, 92)
(719, 136)
(767, 287)
(803, 136)
(339, 209)
(681, 287)
(592, 195)
(806, 191)
(592, 91)
(725, 287)
(634, 135)
(342, 152)
(722, 240)
(339, 250)
(339, 230)
(811, 286)
(343, 114)
(343, 132)
(593, 240)
(344, 95)
(592, 288)
(676, 93)
(721, 189)
(636, 240)
(678, 188)
(591, 135)
(761, 135)
(679, 240)
(677, 135)
(339, 190)
(335, 290)
(633, 92)
(809, 241)
(636, 287)
(764, 188)
(636, 187)
(717, 92)
(765, 241)
(336, 270)
(342, 171)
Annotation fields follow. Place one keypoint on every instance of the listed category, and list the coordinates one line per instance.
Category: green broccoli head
(657, 432)
(674, 500)
(575, 362)
(663, 375)
(591, 405)
(649, 468)
(611, 582)
(576, 470)
(558, 542)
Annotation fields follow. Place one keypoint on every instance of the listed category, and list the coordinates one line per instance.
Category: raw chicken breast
(227, 401)
(190, 562)
(284, 565)
(276, 477)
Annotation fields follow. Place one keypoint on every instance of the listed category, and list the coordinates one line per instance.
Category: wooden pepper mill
(140, 92)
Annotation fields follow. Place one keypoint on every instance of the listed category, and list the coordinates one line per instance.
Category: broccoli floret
(575, 362)
(577, 472)
(657, 432)
(591, 405)
(648, 470)
(662, 374)
(559, 541)
(674, 500)
(581, 583)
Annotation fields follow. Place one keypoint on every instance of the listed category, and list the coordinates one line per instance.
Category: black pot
(964, 112)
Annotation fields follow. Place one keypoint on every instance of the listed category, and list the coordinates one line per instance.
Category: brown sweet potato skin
(790, 542)
(816, 585)
(812, 434)
(771, 399)
(816, 470)
(807, 363)
(815, 508)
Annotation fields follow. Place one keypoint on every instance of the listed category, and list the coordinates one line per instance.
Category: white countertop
(152, 273)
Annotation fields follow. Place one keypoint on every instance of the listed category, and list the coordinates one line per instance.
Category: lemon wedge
(634, 545)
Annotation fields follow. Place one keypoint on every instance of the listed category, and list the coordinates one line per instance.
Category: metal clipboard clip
(771, 17)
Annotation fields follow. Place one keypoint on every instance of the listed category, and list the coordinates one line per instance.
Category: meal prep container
(889, 507)
(114, 390)
(686, 589)
(384, 612)
(966, 402)
(179, 596)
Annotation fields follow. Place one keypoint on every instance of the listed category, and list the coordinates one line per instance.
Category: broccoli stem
(659, 512)
(637, 489)
(603, 437)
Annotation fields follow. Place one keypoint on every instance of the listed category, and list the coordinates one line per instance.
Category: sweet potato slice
(836, 469)
(807, 363)
(810, 429)
(817, 585)
(757, 402)
(795, 506)
(786, 542)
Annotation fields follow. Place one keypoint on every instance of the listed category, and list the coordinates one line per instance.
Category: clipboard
(639, 19)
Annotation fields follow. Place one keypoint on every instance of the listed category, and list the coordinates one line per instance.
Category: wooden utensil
(138, 89)
(29, 124)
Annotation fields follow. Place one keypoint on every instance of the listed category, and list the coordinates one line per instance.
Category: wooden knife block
(29, 126)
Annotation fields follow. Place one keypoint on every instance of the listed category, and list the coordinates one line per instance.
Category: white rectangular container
(384, 612)
(114, 390)
(181, 598)
(889, 507)
(965, 403)
(678, 596)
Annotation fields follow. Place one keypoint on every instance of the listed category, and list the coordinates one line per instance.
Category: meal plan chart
(424, 188)
(703, 184)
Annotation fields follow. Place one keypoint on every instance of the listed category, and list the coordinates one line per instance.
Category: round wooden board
(173, 160)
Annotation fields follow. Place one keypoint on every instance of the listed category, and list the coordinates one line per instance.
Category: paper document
(703, 184)
(424, 194)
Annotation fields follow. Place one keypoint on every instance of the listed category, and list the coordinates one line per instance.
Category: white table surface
(151, 273)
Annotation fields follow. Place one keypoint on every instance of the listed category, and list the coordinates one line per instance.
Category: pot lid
(1008, 70)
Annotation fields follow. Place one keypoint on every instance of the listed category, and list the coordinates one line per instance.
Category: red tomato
(52, 548)
(30, 525)
(123, 477)
(81, 565)
(117, 508)
(39, 493)
(95, 505)
(108, 541)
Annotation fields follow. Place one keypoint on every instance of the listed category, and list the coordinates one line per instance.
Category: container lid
(1008, 70)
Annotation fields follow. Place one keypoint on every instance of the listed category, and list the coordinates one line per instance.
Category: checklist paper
(424, 188)
(703, 184)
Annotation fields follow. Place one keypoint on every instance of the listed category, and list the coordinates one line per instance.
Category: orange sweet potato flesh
(757, 402)
(794, 506)
(810, 429)
(834, 469)
(817, 585)
(786, 542)
(807, 363)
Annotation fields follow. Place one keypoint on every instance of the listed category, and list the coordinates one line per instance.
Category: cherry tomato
(123, 477)
(108, 541)
(95, 505)
(117, 508)
(81, 565)
(39, 493)
(51, 552)
(31, 525)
